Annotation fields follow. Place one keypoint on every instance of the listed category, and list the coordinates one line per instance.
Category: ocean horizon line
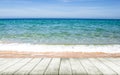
(61, 18)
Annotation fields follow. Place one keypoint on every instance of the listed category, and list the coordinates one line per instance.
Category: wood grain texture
(59, 66)
(28, 67)
(17, 66)
(89, 67)
(65, 67)
(53, 68)
(77, 68)
(102, 67)
(41, 67)
(111, 65)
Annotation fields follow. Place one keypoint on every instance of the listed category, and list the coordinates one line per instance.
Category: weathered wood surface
(59, 66)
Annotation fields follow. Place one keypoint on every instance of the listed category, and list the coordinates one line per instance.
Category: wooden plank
(8, 64)
(77, 68)
(114, 60)
(28, 67)
(53, 68)
(65, 68)
(1, 59)
(16, 67)
(41, 67)
(111, 65)
(103, 68)
(4, 61)
(90, 68)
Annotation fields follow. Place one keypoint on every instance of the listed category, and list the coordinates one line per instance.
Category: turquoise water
(60, 31)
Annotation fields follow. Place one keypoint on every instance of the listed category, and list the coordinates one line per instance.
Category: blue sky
(60, 9)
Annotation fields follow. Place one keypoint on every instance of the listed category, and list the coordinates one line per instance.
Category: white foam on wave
(59, 48)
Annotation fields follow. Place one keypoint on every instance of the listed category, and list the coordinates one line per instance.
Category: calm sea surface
(60, 31)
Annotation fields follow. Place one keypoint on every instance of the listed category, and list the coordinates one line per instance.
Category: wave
(58, 48)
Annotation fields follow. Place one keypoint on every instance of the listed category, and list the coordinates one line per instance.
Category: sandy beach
(14, 50)
(16, 54)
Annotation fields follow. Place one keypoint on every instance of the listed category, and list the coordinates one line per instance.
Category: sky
(60, 9)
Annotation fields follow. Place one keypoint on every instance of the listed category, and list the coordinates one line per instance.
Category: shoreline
(59, 48)
(23, 50)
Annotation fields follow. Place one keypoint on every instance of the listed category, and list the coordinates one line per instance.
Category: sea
(60, 31)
